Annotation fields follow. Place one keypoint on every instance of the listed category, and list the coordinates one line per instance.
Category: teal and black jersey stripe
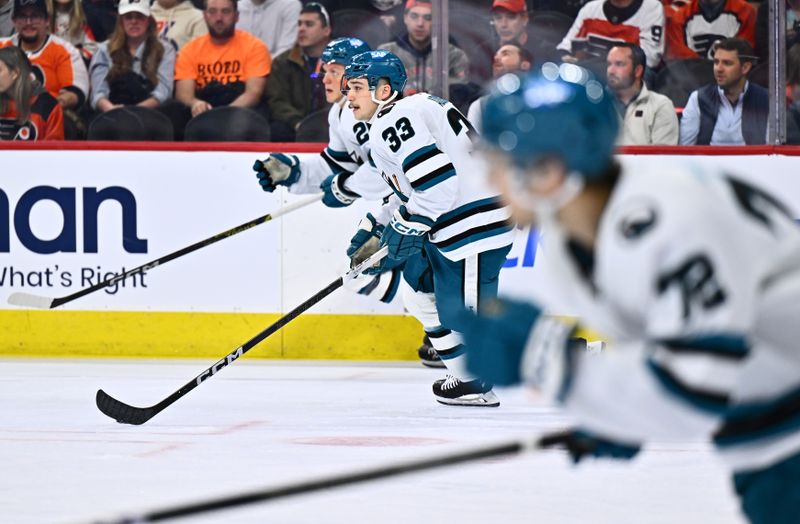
(473, 208)
(337, 160)
(733, 347)
(474, 234)
(708, 401)
(756, 420)
(426, 167)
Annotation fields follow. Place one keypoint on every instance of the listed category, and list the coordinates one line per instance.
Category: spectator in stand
(648, 118)
(133, 67)
(601, 24)
(69, 23)
(295, 89)
(226, 67)
(390, 12)
(6, 18)
(27, 110)
(273, 21)
(56, 63)
(413, 48)
(763, 27)
(101, 15)
(178, 21)
(732, 111)
(568, 7)
(692, 30)
(508, 59)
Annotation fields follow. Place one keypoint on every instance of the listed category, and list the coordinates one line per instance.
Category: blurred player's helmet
(342, 50)
(375, 65)
(559, 111)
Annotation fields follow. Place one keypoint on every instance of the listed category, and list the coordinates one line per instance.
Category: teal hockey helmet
(374, 65)
(557, 111)
(342, 50)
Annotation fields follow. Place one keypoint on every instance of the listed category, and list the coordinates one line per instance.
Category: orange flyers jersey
(691, 35)
(46, 121)
(57, 65)
(593, 33)
(243, 57)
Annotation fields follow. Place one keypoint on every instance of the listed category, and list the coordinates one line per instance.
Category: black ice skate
(454, 392)
(428, 355)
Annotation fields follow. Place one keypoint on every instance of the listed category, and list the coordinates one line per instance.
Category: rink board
(78, 216)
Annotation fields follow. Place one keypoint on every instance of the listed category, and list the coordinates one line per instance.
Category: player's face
(310, 31)
(360, 98)
(135, 25)
(31, 24)
(509, 25)
(419, 21)
(506, 60)
(332, 81)
(728, 69)
(221, 17)
(7, 77)
(619, 68)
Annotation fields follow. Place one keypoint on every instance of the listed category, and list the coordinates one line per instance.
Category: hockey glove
(366, 241)
(405, 236)
(511, 342)
(335, 194)
(277, 170)
(580, 444)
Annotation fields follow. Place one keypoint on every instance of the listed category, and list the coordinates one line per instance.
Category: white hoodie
(274, 22)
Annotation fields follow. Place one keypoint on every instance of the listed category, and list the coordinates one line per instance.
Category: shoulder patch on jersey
(638, 220)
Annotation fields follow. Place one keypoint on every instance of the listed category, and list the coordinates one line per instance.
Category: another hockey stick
(41, 302)
(334, 481)
(127, 414)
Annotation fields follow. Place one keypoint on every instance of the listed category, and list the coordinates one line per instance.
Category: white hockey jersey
(423, 148)
(594, 32)
(695, 278)
(347, 153)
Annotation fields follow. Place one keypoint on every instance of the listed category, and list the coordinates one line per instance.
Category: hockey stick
(127, 414)
(42, 302)
(334, 481)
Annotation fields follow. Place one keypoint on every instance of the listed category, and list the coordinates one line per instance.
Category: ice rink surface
(261, 424)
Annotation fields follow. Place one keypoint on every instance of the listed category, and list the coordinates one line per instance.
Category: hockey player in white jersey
(443, 221)
(341, 170)
(692, 273)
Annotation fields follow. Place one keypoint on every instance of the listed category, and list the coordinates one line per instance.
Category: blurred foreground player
(443, 221)
(702, 320)
(342, 170)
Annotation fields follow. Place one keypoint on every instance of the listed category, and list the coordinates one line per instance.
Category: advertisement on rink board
(77, 218)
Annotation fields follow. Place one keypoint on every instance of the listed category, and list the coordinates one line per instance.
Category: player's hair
(23, 87)
(234, 3)
(77, 18)
(122, 59)
(319, 9)
(637, 54)
(742, 48)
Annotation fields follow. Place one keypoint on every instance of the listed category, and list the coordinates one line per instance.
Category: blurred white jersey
(695, 279)
(346, 154)
(423, 148)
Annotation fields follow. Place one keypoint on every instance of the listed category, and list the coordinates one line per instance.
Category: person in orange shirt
(226, 67)
(693, 29)
(27, 111)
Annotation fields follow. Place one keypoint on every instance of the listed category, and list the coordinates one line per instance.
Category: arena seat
(228, 124)
(131, 123)
(314, 127)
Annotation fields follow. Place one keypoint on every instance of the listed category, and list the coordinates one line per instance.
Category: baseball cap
(134, 6)
(39, 5)
(420, 3)
(515, 6)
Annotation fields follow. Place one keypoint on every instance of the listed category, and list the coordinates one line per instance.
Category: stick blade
(29, 300)
(121, 412)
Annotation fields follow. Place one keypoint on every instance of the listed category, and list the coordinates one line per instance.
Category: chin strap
(381, 103)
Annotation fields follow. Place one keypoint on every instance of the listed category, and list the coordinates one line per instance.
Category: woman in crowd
(27, 110)
(133, 67)
(69, 22)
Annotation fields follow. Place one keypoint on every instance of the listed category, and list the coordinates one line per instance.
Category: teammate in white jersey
(341, 170)
(692, 273)
(443, 221)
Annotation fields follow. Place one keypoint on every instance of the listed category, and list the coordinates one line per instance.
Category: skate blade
(482, 400)
(433, 364)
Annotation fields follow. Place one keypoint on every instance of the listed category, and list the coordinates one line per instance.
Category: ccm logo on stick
(65, 199)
